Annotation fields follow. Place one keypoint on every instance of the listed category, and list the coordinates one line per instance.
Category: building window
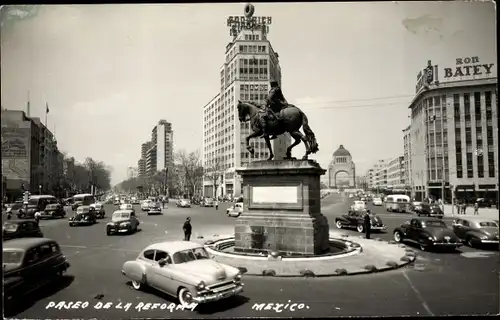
(487, 100)
(480, 166)
(491, 164)
(470, 172)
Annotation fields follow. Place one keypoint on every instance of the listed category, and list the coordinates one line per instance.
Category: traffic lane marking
(419, 296)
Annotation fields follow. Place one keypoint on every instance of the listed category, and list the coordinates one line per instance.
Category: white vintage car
(236, 210)
(358, 205)
(126, 206)
(184, 270)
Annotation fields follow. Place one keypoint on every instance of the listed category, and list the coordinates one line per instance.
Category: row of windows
(480, 169)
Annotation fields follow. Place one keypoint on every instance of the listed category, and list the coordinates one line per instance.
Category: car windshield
(434, 224)
(10, 226)
(81, 210)
(33, 202)
(190, 255)
(16, 206)
(12, 256)
(121, 215)
(487, 224)
(51, 205)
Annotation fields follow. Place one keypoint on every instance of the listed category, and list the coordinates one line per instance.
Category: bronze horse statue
(292, 119)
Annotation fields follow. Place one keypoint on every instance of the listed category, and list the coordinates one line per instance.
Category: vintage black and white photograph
(236, 160)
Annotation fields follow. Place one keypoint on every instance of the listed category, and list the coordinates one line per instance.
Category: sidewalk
(487, 213)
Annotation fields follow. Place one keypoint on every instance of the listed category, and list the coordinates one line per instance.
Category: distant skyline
(109, 73)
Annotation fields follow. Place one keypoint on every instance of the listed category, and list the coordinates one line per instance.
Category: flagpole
(46, 113)
(28, 105)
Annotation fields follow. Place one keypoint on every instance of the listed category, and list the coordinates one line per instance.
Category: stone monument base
(290, 233)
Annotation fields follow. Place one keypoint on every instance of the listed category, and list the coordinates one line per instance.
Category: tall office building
(454, 132)
(250, 64)
(157, 154)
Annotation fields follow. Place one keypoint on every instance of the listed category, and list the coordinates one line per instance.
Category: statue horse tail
(311, 138)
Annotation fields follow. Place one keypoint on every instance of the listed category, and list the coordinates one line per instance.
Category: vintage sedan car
(377, 202)
(430, 210)
(428, 234)
(85, 215)
(476, 231)
(126, 206)
(358, 205)
(15, 208)
(236, 210)
(155, 208)
(29, 264)
(207, 202)
(122, 221)
(184, 270)
(53, 210)
(416, 206)
(183, 203)
(356, 219)
(145, 205)
(14, 229)
(99, 210)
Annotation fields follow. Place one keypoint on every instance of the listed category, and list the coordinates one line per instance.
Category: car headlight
(201, 285)
(484, 237)
(237, 277)
(431, 238)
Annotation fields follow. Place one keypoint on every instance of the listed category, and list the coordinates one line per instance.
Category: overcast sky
(110, 72)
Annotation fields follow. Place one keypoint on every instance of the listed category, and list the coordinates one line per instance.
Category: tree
(214, 171)
(99, 174)
(189, 170)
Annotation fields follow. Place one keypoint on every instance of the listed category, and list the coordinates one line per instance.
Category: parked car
(16, 208)
(53, 210)
(145, 205)
(154, 208)
(122, 221)
(356, 219)
(85, 215)
(377, 202)
(430, 210)
(207, 202)
(14, 229)
(29, 264)
(428, 234)
(476, 231)
(99, 210)
(183, 203)
(184, 270)
(236, 210)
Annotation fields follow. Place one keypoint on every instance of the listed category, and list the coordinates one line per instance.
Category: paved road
(438, 284)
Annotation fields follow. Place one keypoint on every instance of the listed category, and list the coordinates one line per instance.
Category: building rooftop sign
(248, 22)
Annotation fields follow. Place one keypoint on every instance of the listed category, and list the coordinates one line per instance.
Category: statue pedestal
(282, 208)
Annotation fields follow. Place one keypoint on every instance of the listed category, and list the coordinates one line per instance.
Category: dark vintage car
(85, 215)
(356, 219)
(122, 221)
(476, 231)
(14, 229)
(155, 208)
(29, 264)
(99, 210)
(428, 234)
(430, 210)
(53, 210)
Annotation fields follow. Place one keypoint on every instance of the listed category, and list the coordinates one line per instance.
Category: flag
(47, 108)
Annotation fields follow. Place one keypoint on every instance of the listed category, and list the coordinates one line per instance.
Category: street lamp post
(40, 189)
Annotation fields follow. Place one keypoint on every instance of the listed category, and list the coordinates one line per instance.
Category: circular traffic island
(344, 257)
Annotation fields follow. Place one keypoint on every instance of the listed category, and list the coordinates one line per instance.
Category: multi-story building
(162, 137)
(30, 156)
(407, 158)
(250, 64)
(361, 183)
(141, 164)
(376, 176)
(396, 173)
(141, 168)
(151, 161)
(454, 132)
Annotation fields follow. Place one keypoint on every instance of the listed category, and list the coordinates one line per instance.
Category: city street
(465, 282)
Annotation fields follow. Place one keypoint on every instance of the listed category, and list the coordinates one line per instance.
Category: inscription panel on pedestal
(268, 197)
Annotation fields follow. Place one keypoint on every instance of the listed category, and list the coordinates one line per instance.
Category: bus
(397, 203)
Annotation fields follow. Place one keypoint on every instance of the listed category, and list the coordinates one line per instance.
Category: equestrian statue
(274, 118)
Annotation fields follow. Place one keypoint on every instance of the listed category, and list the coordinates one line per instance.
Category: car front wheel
(185, 297)
(398, 237)
(360, 228)
(338, 224)
(136, 285)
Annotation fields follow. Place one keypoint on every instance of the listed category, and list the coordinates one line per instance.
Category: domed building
(341, 164)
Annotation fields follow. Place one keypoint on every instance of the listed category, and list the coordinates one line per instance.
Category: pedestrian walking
(216, 204)
(187, 228)
(476, 209)
(368, 224)
(464, 207)
(163, 203)
(37, 217)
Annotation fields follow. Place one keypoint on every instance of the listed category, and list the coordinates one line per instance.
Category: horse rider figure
(274, 103)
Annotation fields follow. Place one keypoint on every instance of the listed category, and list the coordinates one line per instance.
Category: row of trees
(90, 175)
(184, 179)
